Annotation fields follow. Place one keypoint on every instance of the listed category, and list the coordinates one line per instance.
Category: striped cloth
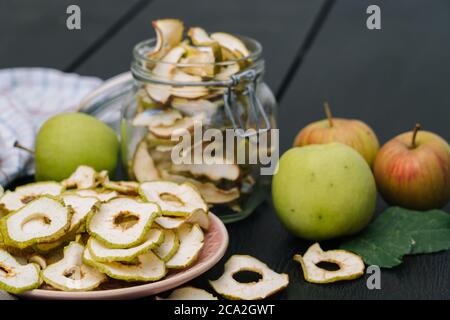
(28, 97)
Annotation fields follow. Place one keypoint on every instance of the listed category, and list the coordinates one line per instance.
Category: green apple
(324, 191)
(413, 170)
(68, 140)
(353, 133)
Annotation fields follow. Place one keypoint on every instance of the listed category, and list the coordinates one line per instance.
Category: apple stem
(415, 131)
(328, 113)
(19, 146)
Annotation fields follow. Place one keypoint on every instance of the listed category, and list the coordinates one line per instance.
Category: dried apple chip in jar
(143, 167)
(169, 33)
(147, 267)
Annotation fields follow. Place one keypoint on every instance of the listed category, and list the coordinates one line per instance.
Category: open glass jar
(196, 123)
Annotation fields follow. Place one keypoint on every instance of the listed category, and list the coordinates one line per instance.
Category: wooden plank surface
(391, 79)
(280, 28)
(34, 33)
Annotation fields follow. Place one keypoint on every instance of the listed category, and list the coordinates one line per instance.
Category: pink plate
(215, 244)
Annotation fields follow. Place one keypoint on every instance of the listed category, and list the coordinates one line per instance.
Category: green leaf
(383, 243)
(430, 231)
(398, 232)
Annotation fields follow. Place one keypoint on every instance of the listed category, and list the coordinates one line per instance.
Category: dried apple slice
(169, 246)
(181, 76)
(39, 260)
(143, 166)
(70, 273)
(228, 55)
(199, 217)
(11, 201)
(179, 128)
(44, 219)
(170, 223)
(196, 107)
(102, 253)
(231, 43)
(46, 247)
(173, 199)
(123, 187)
(163, 70)
(158, 92)
(81, 206)
(17, 278)
(189, 293)
(227, 71)
(103, 196)
(154, 141)
(191, 243)
(270, 282)
(84, 177)
(190, 92)
(102, 177)
(164, 148)
(200, 37)
(199, 61)
(147, 267)
(351, 266)
(214, 195)
(169, 33)
(122, 222)
(223, 169)
(152, 118)
(209, 191)
(145, 102)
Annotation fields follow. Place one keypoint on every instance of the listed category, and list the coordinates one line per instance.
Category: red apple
(413, 170)
(353, 133)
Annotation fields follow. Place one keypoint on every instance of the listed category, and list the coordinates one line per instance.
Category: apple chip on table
(77, 239)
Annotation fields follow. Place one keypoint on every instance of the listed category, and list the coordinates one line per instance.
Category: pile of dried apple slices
(167, 112)
(82, 232)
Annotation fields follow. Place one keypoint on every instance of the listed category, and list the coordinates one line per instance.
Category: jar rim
(142, 49)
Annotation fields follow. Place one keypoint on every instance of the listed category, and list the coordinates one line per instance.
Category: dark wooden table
(315, 50)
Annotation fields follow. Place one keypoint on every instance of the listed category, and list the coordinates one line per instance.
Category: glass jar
(182, 125)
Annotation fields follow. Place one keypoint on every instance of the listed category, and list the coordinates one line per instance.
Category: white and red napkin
(28, 97)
